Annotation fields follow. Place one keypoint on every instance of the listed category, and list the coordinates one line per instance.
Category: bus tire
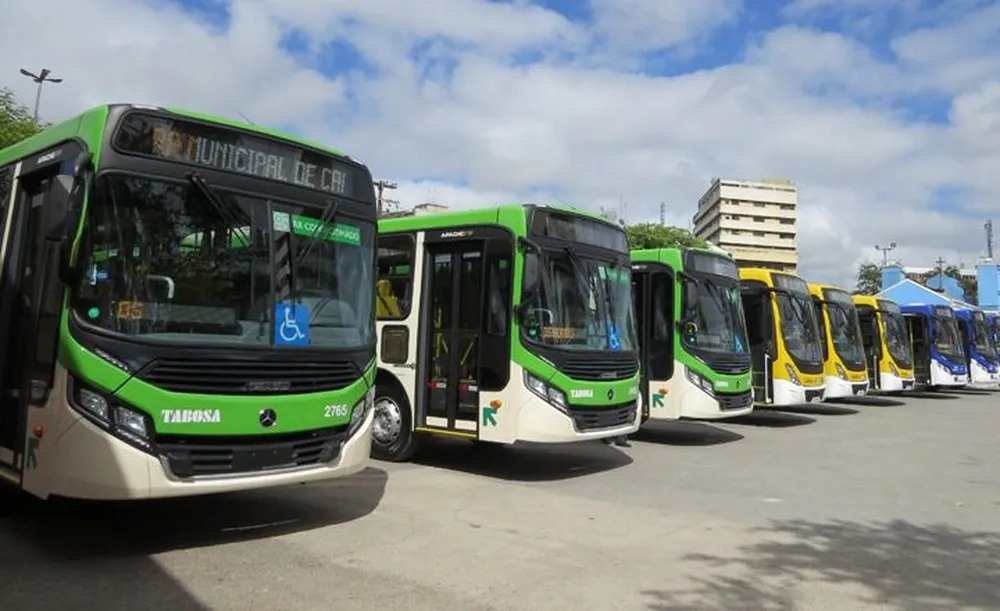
(393, 437)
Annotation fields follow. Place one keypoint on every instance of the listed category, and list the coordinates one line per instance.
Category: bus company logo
(456, 234)
(611, 394)
(267, 386)
(191, 416)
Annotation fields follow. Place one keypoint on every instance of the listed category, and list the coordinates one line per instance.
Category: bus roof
(922, 308)
(476, 216)
(817, 288)
(97, 117)
(764, 274)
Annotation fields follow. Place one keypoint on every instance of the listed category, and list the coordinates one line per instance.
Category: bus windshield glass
(982, 341)
(947, 339)
(845, 328)
(798, 321)
(717, 313)
(897, 338)
(176, 261)
(576, 302)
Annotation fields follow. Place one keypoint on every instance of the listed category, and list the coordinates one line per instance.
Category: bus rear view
(938, 357)
(840, 334)
(886, 337)
(784, 338)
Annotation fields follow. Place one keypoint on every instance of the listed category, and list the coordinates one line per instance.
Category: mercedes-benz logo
(267, 417)
(611, 394)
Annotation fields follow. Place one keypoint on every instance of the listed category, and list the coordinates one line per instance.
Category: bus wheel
(393, 438)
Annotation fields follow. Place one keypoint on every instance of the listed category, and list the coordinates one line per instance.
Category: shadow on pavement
(817, 409)
(684, 433)
(896, 563)
(95, 555)
(927, 394)
(769, 417)
(868, 401)
(522, 461)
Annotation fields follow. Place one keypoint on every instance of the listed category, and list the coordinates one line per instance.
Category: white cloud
(581, 135)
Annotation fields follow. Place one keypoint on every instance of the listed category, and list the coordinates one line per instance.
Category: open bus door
(760, 327)
(921, 341)
(34, 205)
(653, 294)
(871, 337)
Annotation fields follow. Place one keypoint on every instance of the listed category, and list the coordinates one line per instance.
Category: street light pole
(885, 252)
(41, 78)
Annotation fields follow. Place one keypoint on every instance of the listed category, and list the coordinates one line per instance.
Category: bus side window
(394, 288)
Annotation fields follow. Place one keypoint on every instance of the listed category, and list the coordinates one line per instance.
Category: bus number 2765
(336, 411)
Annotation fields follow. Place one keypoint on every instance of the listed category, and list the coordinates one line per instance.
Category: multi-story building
(752, 220)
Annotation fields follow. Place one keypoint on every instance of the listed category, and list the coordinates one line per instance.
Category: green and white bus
(694, 350)
(187, 307)
(503, 324)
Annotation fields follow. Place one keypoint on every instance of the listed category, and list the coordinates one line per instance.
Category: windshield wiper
(329, 214)
(232, 214)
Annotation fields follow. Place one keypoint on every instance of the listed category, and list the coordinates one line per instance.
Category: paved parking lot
(880, 505)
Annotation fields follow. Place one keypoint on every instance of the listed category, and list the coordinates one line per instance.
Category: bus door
(872, 340)
(921, 341)
(653, 294)
(760, 327)
(33, 205)
(454, 289)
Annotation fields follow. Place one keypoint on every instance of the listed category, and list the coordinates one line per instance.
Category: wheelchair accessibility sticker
(291, 325)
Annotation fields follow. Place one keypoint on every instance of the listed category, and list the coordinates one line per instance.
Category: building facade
(755, 221)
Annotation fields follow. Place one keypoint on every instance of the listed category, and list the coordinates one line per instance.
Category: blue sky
(885, 114)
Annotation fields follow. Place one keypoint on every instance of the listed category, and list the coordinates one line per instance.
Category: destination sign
(790, 283)
(231, 150)
(943, 312)
(573, 228)
(712, 264)
(889, 306)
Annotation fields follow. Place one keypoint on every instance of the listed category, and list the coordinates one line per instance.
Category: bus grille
(729, 363)
(585, 419)
(265, 377)
(729, 401)
(601, 368)
(191, 456)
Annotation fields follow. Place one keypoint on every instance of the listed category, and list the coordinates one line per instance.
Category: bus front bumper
(89, 463)
(787, 393)
(893, 383)
(539, 422)
(837, 388)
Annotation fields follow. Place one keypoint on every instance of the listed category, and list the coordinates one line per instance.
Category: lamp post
(885, 252)
(41, 78)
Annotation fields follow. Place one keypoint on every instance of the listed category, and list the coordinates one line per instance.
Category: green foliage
(869, 279)
(654, 235)
(16, 120)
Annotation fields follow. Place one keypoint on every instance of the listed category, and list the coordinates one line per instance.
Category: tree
(16, 120)
(654, 235)
(969, 287)
(869, 279)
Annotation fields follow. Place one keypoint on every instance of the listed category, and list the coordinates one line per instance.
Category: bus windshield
(982, 340)
(798, 326)
(717, 312)
(577, 303)
(845, 328)
(175, 261)
(897, 338)
(947, 339)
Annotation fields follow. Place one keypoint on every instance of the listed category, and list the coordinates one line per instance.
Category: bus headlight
(840, 372)
(125, 423)
(699, 381)
(360, 411)
(551, 394)
(792, 375)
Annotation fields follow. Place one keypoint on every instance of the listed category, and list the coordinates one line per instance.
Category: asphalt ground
(882, 503)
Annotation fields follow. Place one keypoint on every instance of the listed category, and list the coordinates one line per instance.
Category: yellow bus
(844, 363)
(888, 349)
(785, 348)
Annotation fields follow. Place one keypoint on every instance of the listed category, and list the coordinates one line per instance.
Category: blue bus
(938, 355)
(980, 349)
